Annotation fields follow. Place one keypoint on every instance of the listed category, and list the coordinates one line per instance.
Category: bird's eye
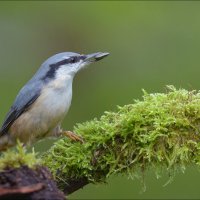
(73, 59)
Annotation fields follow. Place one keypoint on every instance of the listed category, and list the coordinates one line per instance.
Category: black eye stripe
(82, 57)
(74, 59)
(62, 62)
(53, 67)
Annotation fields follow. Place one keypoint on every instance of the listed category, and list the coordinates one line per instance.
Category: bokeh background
(152, 44)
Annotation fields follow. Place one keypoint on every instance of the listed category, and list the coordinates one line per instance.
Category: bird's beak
(90, 58)
(95, 57)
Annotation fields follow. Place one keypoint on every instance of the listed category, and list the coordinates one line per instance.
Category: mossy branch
(162, 132)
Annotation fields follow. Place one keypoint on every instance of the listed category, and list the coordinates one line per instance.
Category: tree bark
(28, 184)
(76, 184)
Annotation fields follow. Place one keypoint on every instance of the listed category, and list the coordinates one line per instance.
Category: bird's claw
(72, 136)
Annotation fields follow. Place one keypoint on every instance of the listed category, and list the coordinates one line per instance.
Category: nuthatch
(42, 103)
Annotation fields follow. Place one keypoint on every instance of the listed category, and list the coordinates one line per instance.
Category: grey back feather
(26, 97)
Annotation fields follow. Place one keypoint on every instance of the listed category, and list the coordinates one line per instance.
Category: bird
(42, 103)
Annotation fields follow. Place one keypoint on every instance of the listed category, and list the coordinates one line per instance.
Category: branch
(25, 183)
(160, 132)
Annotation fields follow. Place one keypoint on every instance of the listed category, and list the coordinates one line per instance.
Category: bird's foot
(72, 136)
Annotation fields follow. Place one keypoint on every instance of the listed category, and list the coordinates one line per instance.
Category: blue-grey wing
(26, 97)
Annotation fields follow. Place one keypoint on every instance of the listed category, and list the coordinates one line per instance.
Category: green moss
(161, 131)
(15, 158)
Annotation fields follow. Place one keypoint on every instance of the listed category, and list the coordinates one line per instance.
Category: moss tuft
(15, 158)
(161, 131)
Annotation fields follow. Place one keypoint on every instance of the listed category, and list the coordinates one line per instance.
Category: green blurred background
(152, 44)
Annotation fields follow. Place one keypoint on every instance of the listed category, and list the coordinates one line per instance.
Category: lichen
(160, 131)
(17, 157)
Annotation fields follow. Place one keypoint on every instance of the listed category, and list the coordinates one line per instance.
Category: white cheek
(63, 73)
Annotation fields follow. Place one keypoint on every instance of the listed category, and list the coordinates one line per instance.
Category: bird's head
(68, 64)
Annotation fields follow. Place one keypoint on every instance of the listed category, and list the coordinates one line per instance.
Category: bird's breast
(53, 102)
